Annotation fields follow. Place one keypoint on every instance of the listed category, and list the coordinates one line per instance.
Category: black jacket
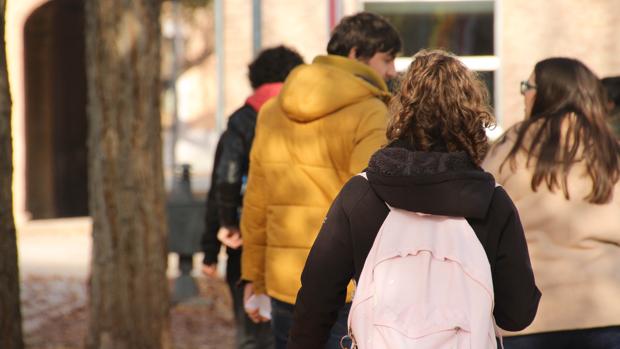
(225, 197)
(428, 182)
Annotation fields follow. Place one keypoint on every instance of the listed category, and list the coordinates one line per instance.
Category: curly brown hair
(441, 106)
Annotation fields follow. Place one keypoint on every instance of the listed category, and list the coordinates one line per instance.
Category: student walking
(321, 130)
(561, 167)
(430, 239)
(230, 170)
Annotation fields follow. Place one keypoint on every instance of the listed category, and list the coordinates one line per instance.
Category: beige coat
(574, 246)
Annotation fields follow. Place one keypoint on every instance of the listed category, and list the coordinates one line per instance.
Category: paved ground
(54, 262)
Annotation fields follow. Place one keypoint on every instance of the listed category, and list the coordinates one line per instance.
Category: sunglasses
(525, 85)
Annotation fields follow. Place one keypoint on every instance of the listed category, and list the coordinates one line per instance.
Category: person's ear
(353, 53)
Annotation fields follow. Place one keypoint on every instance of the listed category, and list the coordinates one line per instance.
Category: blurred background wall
(207, 44)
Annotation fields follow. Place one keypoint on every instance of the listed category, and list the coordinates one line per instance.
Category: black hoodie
(438, 183)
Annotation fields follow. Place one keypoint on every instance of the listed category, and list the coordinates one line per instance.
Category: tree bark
(129, 299)
(10, 313)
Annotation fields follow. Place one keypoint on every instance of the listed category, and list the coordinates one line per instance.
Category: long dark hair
(567, 125)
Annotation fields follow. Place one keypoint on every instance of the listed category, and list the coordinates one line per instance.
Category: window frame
(486, 63)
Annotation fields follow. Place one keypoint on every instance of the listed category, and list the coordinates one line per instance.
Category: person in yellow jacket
(329, 118)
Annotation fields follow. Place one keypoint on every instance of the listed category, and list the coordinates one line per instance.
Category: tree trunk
(129, 299)
(10, 313)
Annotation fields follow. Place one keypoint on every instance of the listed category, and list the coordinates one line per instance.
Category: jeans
(593, 338)
(282, 321)
(249, 334)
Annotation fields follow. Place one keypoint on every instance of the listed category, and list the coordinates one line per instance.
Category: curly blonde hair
(442, 106)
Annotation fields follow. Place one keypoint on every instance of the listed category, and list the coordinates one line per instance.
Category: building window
(463, 27)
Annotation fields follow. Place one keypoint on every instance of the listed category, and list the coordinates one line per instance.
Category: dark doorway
(56, 123)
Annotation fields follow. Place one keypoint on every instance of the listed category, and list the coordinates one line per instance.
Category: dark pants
(249, 334)
(594, 338)
(282, 321)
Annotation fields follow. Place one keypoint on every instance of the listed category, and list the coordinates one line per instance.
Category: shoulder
(370, 113)
(503, 144)
(373, 105)
(270, 113)
(502, 207)
(355, 192)
(368, 106)
(355, 186)
(242, 117)
(497, 154)
(501, 198)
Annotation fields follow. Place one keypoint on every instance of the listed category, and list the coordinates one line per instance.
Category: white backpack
(426, 283)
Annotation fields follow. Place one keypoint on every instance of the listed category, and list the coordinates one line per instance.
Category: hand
(253, 314)
(230, 237)
(210, 270)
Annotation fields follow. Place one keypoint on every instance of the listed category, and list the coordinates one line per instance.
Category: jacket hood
(439, 183)
(330, 83)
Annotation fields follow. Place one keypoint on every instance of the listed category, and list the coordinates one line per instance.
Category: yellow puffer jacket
(329, 118)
